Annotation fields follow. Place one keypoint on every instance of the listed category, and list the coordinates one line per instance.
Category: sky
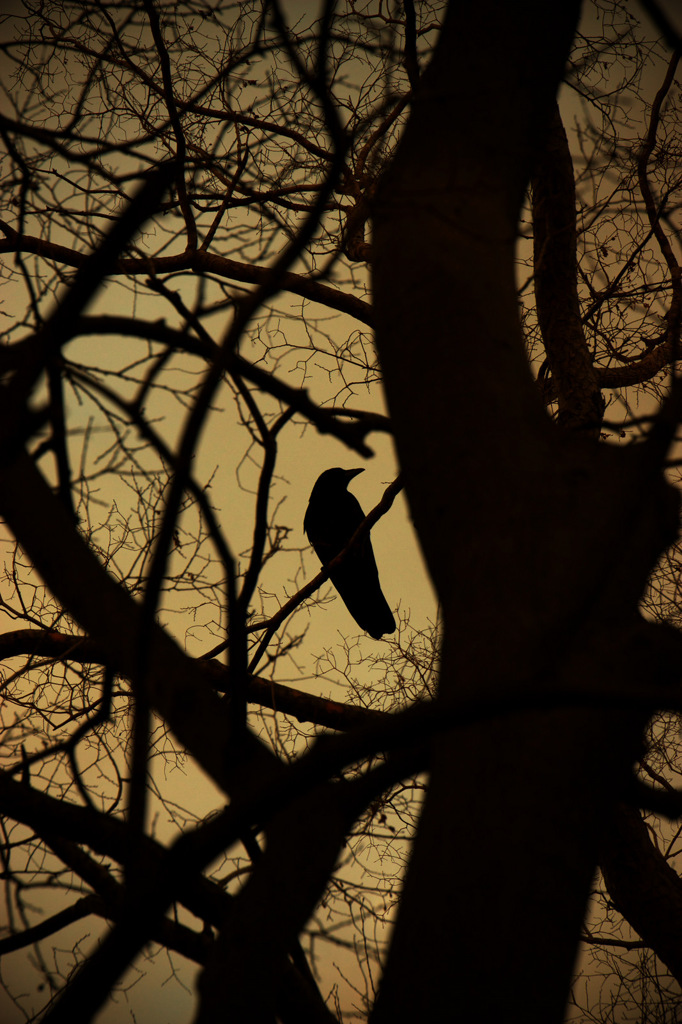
(304, 454)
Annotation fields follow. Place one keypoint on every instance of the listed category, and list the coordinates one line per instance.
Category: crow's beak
(350, 473)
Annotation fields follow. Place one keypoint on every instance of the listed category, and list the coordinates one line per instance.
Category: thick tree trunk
(538, 540)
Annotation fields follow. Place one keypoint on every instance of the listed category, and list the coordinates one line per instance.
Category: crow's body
(332, 518)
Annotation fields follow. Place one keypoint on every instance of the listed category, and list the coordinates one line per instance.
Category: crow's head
(332, 481)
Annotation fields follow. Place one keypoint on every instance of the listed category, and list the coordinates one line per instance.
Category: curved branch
(304, 707)
(581, 405)
(654, 210)
(326, 420)
(638, 371)
(62, 919)
(198, 261)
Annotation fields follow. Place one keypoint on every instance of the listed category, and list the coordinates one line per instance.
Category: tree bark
(538, 540)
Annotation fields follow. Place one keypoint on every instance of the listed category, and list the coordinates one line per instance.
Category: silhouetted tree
(188, 192)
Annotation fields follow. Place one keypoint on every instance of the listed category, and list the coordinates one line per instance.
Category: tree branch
(581, 406)
(304, 707)
(198, 261)
(643, 886)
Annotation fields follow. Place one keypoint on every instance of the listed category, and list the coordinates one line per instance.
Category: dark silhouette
(332, 518)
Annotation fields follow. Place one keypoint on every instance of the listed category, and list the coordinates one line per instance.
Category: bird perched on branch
(332, 518)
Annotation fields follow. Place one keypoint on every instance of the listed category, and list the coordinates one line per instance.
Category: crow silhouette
(332, 518)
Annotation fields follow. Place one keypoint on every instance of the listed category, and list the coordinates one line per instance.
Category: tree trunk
(538, 540)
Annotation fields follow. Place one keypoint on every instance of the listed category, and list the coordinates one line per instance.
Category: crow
(332, 518)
